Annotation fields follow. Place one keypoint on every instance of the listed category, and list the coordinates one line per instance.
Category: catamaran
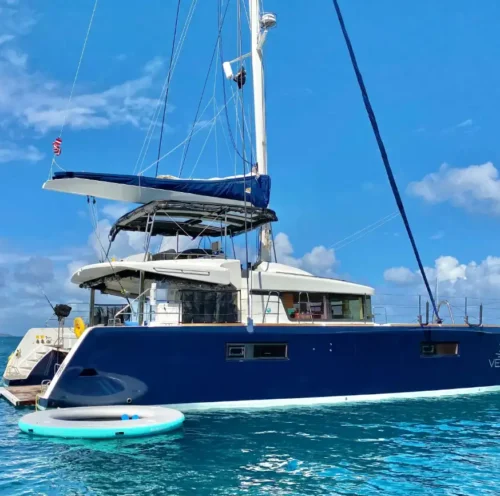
(202, 328)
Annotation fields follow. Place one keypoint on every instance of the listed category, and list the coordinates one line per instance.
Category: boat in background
(42, 349)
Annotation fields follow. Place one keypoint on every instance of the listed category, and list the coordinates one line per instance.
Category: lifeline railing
(396, 308)
(402, 308)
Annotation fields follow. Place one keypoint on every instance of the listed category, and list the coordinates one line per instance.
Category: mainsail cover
(254, 189)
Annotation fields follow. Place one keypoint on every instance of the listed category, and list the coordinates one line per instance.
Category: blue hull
(189, 364)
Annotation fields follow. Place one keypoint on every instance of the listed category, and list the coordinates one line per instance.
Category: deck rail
(404, 308)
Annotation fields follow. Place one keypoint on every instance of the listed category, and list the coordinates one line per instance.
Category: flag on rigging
(56, 146)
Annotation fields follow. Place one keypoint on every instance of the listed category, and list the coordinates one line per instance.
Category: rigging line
(246, 15)
(247, 264)
(230, 132)
(241, 127)
(52, 167)
(78, 67)
(198, 129)
(156, 114)
(383, 153)
(169, 76)
(94, 220)
(343, 245)
(203, 148)
(214, 97)
(46, 297)
(238, 135)
(381, 221)
(225, 138)
(217, 43)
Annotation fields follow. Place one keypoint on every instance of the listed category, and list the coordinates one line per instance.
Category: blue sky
(431, 71)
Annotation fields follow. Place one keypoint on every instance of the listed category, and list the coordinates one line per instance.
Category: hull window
(270, 350)
(235, 351)
(439, 349)
(257, 351)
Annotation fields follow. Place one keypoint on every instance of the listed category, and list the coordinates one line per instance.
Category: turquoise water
(430, 447)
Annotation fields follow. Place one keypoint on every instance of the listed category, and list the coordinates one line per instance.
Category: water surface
(447, 446)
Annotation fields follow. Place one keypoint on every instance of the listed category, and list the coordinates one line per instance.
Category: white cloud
(15, 58)
(185, 243)
(5, 38)
(479, 282)
(10, 152)
(466, 123)
(399, 275)
(15, 19)
(29, 99)
(456, 279)
(36, 270)
(35, 101)
(319, 261)
(465, 127)
(125, 244)
(437, 235)
(115, 210)
(474, 188)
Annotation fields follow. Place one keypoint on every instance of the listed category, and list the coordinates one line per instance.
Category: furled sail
(252, 188)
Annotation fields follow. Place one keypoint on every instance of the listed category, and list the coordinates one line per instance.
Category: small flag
(56, 146)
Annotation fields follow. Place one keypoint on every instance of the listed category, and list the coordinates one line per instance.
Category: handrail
(24, 359)
(447, 303)
(267, 305)
(128, 305)
(308, 303)
(379, 306)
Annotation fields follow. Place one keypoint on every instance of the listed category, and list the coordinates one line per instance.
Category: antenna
(46, 297)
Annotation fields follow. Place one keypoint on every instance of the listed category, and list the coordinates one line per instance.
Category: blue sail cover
(258, 188)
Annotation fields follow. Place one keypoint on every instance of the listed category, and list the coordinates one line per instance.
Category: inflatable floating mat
(102, 422)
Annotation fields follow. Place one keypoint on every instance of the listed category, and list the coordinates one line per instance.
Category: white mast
(258, 28)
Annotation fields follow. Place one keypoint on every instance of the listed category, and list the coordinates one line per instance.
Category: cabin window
(304, 306)
(320, 306)
(257, 351)
(347, 307)
(167, 294)
(428, 349)
(208, 307)
(105, 313)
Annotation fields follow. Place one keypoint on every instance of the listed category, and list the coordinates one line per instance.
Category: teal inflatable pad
(102, 422)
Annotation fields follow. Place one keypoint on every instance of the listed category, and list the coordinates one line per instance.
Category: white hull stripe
(327, 400)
